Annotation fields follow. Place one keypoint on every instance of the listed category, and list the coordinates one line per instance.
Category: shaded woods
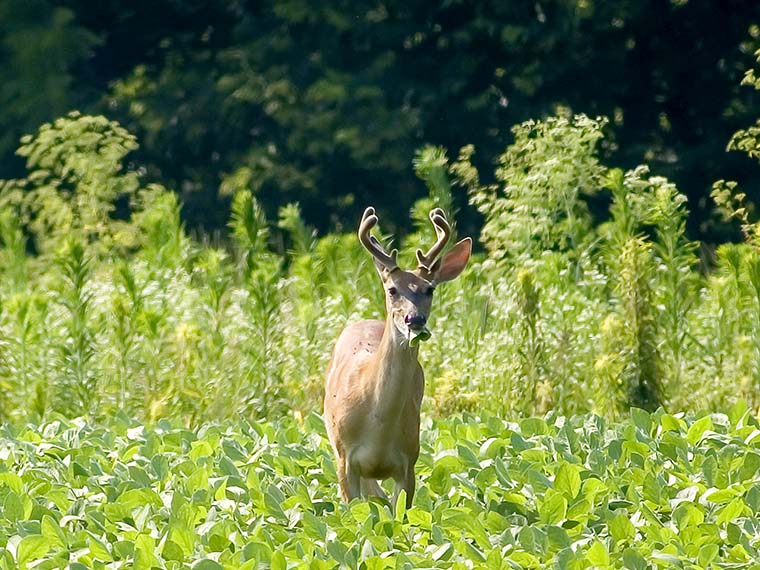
(325, 104)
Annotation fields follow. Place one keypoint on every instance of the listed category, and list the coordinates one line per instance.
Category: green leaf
(314, 526)
(234, 450)
(98, 548)
(731, 511)
(401, 505)
(698, 428)
(722, 495)
(633, 560)
(172, 551)
(160, 464)
(144, 557)
(707, 554)
(13, 507)
(738, 411)
(208, 564)
(335, 548)
(672, 423)
(533, 426)
(597, 554)
(554, 509)
(641, 419)
(419, 517)
(442, 552)
(688, 514)
(13, 481)
(52, 532)
(621, 528)
(31, 548)
(183, 536)
(568, 480)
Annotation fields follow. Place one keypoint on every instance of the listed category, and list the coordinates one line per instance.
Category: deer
(374, 381)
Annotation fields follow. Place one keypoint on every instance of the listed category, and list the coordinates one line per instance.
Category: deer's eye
(392, 291)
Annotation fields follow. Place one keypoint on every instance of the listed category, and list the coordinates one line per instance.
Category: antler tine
(369, 221)
(443, 231)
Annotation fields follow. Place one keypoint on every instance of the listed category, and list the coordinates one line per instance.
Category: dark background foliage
(326, 102)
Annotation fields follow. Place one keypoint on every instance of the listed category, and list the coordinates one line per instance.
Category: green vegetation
(657, 491)
(160, 387)
(108, 305)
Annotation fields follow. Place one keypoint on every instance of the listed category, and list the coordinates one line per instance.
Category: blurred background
(325, 103)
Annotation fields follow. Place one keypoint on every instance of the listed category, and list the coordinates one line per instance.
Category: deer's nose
(415, 321)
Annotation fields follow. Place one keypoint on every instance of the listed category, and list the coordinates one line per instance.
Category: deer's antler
(443, 231)
(369, 221)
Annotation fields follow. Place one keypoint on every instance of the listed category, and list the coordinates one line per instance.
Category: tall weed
(99, 314)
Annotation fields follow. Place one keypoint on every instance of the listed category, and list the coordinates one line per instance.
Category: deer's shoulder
(362, 336)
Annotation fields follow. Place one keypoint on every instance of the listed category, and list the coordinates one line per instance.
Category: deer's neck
(395, 370)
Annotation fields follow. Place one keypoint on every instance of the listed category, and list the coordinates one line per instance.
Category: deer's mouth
(418, 335)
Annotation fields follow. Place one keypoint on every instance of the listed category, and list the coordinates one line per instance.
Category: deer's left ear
(453, 263)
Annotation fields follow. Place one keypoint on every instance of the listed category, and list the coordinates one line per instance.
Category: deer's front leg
(371, 488)
(407, 483)
(348, 480)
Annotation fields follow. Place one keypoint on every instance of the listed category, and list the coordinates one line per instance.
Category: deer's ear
(453, 263)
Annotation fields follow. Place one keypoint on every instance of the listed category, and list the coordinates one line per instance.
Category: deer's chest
(383, 457)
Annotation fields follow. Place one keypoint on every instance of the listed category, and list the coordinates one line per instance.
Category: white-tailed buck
(374, 381)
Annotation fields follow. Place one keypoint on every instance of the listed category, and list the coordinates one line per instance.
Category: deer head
(409, 294)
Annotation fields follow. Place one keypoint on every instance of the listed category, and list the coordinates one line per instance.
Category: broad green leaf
(419, 517)
(183, 536)
(98, 548)
(707, 554)
(688, 514)
(621, 528)
(731, 511)
(31, 548)
(172, 551)
(752, 498)
(738, 411)
(666, 558)
(698, 428)
(597, 554)
(554, 509)
(160, 464)
(314, 526)
(641, 419)
(722, 495)
(633, 560)
(568, 480)
(234, 450)
(144, 557)
(13, 481)
(335, 548)
(208, 564)
(558, 537)
(13, 507)
(442, 552)
(672, 423)
(52, 532)
(533, 426)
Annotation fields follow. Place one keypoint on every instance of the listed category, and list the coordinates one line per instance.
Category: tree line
(326, 103)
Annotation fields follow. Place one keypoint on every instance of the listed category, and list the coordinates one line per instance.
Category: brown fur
(375, 385)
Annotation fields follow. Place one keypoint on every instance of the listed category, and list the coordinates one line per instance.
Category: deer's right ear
(453, 263)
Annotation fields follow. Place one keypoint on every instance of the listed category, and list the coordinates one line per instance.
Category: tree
(326, 103)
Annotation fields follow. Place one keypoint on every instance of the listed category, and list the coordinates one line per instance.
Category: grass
(654, 491)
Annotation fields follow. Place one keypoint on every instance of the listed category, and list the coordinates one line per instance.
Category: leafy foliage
(536, 206)
(114, 307)
(657, 489)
